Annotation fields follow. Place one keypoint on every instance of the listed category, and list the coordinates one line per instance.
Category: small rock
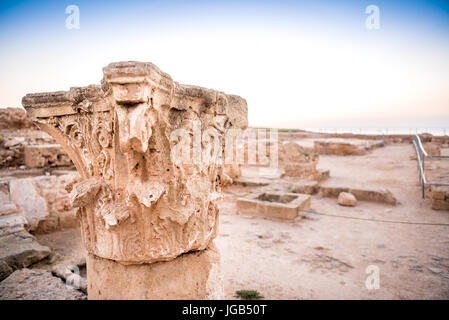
(379, 261)
(347, 199)
(435, 270)
(70, 273)
(416, 267)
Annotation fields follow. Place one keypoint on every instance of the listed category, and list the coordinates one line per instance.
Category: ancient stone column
(148, 213)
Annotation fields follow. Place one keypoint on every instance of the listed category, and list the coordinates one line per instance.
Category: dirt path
(322, 257)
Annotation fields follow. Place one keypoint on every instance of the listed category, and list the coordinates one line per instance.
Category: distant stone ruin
(297, 162)
(15, 119)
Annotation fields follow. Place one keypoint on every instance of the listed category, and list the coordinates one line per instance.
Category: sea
(383, 131)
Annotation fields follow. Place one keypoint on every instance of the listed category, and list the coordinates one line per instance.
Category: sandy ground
(322, 257)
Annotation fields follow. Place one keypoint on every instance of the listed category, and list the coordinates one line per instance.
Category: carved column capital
(137, 205)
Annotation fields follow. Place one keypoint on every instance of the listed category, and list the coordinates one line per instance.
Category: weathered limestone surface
(141, 197)
(60, 213)
(19, 250)
(297, 162)
(69, 271)
(195, 275)
(36, 284)
(26, 197)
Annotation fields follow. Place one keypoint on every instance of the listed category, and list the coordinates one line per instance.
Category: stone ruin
(295, 174)
(277, 205)
(297, 162)
(147, 221)
(292, 159)
(23, 146)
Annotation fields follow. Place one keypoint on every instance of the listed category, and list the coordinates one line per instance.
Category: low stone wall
(389, 138)
(32, 149)
(11, 152)
(341, 149)
(380, 195)
(46, 155)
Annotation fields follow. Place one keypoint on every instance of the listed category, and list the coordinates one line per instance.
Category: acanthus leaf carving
(137, 204)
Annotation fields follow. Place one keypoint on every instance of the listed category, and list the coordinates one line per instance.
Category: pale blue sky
(297, 63)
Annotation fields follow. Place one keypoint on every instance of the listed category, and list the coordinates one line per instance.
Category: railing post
(422, 179)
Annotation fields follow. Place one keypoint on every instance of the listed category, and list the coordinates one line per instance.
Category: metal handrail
(421, 155)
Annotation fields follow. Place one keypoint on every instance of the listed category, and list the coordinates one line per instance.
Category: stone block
(306, 187)
(46, 155)
(20, 250)
(195, 275)
(11, 220)
(438, 193)
(36, 284)
(440, 205)
(31, 203)
(380, 195)
(44, 202)
(274, 204)
(10, 224)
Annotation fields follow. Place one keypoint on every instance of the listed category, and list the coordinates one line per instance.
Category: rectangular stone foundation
(195, 275)
(275, 205)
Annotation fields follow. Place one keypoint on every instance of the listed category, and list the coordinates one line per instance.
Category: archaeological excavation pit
(274, 204)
